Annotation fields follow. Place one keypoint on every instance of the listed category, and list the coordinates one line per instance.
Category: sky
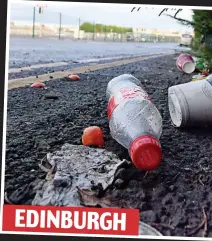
(116, 14)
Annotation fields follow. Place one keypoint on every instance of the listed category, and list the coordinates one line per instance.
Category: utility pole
(102, 30)
(33, 24)
(60, 26)
(41, 22)
(93, 31)
(79, 29)
(40, 11)
(105, 32)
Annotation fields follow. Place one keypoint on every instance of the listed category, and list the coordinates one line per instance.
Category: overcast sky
(117, 14)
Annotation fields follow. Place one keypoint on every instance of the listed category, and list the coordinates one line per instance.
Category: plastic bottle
(134, 121)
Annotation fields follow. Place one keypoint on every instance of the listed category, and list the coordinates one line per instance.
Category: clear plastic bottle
(134, 121)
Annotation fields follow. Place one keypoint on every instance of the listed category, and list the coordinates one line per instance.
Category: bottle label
(125, 93)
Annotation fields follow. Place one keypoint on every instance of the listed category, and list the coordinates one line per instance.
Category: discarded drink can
(185, 63)
(190, 104)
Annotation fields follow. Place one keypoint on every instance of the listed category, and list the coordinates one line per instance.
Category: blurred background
(39, 20)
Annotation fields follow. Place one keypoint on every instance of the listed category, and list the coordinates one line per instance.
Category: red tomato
(93, 136)
(73, 77)
(38, 85)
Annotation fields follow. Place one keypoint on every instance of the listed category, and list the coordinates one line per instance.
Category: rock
(172, 188)
(148, 216)
(119, 183)
(167, 199)
(52, 96)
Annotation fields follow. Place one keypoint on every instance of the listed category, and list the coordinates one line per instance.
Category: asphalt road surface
(175, 198)
(28, 51)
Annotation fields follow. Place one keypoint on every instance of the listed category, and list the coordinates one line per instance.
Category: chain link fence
(47, 24)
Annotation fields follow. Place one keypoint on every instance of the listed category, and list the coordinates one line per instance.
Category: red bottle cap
(146, 152)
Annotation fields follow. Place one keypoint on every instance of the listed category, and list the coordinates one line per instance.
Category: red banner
(75, 220)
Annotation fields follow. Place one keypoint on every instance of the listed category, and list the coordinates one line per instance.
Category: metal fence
(47, 24)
